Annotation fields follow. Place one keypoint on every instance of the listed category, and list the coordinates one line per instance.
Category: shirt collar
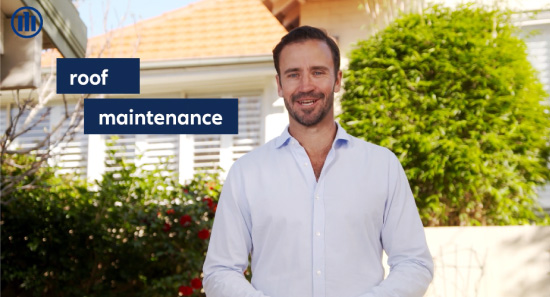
(341, 137)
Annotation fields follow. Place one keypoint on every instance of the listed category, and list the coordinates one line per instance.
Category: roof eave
(287, 12)
(205, 62)
(63, 25)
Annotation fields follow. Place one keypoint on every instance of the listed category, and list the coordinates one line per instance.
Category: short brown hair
(304, 33)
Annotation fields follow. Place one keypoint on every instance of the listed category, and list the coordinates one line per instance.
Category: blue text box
(89, 76)
(161, 116)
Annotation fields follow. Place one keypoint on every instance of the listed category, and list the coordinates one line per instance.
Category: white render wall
(511, 261)
(349, 20)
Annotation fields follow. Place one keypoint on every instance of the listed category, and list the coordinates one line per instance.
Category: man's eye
(318, 73)
(293, 75)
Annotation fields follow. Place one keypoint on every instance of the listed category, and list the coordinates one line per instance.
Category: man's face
(307, 81)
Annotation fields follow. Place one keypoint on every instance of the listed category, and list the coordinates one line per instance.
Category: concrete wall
(511, 261)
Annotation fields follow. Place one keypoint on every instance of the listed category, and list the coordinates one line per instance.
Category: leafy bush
(452, 94)
(135, 233)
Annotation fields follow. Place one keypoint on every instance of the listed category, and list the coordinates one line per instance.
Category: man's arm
(403, 239)
(230, 244)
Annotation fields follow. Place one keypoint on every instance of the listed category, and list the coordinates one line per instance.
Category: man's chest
(342, 197)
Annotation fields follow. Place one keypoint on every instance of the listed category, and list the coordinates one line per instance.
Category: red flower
(186, 291)
(196, 283)
(204, 234)
(213, 206)
(166, 227)
(170, 211)
(185, 190)
(185, 220)
(211, 188)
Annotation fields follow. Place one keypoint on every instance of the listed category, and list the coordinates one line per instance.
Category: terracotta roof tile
(209, 28)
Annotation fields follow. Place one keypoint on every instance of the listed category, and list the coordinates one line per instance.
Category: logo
(27, 26)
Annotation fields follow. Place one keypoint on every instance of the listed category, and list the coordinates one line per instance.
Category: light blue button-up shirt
(317, 238)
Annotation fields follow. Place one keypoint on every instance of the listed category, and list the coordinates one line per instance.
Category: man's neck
(315, 138)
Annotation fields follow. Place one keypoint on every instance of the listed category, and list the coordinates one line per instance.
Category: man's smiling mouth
(307, 102)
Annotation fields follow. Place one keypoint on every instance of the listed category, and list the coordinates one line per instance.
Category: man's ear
(279, 86)
(338, 82)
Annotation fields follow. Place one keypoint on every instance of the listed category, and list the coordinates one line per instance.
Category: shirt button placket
(318, 244)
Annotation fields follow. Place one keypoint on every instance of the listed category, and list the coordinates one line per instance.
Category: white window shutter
(160, 148)
(38, 126)
(70, 154)
(538, 49)
(206, 153)
(124, 147)
(250, 125)
(212, 152)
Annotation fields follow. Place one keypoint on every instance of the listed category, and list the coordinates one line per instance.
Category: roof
(209, 28)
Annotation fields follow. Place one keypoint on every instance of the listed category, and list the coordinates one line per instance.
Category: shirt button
(318, 233)
(318, 272)
(305, 164)
(316, 197)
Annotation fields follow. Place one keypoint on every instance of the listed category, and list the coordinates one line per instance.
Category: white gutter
(205, 62)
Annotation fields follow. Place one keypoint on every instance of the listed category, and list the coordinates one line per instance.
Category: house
(209, 49)
(222, 49)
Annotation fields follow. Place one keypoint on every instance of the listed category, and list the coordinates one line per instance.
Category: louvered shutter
(220, 151)
(71, 154)
(250, 121)
(159, 148)
(206, 153)
(538, 48)
(38, 125)
(124, 147)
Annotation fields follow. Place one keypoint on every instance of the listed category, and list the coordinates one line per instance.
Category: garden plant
(135, 233)
(452, 94)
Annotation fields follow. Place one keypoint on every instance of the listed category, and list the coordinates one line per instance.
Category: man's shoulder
(370, 148)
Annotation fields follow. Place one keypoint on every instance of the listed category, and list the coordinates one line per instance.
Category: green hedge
(452, 93)
(135, 233)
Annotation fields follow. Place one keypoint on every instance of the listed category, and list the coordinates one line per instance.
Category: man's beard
(304, 119)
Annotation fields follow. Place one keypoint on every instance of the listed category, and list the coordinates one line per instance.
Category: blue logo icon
(26, 23)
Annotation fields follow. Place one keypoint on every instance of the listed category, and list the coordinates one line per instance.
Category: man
(315, 207)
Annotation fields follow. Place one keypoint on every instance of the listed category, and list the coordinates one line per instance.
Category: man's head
(302, 34)
(307, 63)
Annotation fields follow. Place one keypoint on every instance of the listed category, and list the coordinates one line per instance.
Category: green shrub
(452, 94)
(135, 233)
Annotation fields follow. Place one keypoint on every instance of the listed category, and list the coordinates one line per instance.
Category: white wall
(510, 261)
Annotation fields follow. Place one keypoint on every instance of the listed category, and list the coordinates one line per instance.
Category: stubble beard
(306, 119)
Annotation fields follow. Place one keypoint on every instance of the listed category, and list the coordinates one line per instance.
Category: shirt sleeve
(230, 244)
(403, 239)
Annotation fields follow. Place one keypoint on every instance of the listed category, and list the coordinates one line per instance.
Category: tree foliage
(135, 233)
(452, 94)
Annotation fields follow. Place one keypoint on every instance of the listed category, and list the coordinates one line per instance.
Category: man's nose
(306, 83)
